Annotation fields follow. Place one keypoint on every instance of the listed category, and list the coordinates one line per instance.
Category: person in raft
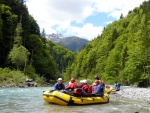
(73, 88)
(59, 85)
(99, 88)
(72, 84)
(86, 87)
(98, 78)
(117, 86)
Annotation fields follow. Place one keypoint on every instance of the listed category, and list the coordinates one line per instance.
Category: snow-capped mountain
(73, 43)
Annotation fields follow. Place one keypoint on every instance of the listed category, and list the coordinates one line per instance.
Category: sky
(83, 18)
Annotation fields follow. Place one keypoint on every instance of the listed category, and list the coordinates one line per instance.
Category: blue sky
(82, 18)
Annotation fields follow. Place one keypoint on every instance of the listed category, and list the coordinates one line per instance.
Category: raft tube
(64, 99)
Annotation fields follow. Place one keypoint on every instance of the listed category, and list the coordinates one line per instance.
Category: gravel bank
(142, 94)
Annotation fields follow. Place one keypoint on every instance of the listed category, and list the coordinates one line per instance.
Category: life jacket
(99, 90)
(102, 89)
(71, 86)
(94, 88)
(59, 86)
(85, 88)
(90, 89)
(117, 87)
(77, 91)
(101, 82)
(79, 85)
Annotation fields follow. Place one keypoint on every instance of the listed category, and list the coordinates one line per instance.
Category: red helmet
(96, 81)
(72, 80)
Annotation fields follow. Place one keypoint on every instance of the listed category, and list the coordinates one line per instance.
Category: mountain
(73, 43)
(61, 55)
(121, 53)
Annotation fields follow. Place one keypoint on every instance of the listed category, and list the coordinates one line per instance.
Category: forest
(121, 53)
(24, 51)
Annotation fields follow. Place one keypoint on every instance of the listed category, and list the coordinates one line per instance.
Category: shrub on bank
(13, 78)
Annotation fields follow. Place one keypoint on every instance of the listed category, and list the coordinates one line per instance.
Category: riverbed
(29, 100)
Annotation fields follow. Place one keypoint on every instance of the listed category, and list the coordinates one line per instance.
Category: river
(29, 100)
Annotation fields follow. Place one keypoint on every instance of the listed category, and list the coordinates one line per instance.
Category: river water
(29, 100)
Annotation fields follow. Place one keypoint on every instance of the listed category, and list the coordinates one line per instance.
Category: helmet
(85, 81)
(81, 81)
(69, 83)
(72, 80)
(108, 87)
(59, 78)
(96, 77)
(96, 81)
(94, 84)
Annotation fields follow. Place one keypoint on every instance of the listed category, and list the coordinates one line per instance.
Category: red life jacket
(87, 88)
(90, 89)
(77, 91)
(71, 86)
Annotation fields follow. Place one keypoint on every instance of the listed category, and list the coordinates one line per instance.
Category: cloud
(115, 8)
(57, 15)
(87, 31)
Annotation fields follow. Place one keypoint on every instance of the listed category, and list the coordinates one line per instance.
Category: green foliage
(20, 40)
(30, 71)
(40, 81)
(62, 56)
(7, 23)
(19, 56)
(40, 58)
(121, 53)
(1, 22)
(9, 77)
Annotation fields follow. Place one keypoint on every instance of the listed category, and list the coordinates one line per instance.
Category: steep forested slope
(24, 49)
(62, 57)
(121, 53)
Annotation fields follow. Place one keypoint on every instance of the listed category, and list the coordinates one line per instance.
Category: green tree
(19, 54)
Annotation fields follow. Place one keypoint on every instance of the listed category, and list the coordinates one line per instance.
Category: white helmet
(59, 78)
(85, 81)
(81, 81)
(69, 82)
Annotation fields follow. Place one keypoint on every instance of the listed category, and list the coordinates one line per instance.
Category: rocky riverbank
(142, 94)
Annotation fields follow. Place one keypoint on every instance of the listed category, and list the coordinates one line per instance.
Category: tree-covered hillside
(62, 57)
(121, 53)
(24, 49)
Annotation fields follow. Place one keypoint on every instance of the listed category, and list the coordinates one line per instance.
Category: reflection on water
(29, 100)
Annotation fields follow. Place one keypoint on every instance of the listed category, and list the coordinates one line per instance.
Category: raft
(60, 98)
(109, 91)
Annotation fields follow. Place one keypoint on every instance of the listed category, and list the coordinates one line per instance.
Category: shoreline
(24, 86)
(141, 94)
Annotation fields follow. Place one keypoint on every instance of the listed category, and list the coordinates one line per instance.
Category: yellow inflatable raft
(64, 99)
(109, 91)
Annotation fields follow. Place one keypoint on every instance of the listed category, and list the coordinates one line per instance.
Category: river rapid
(29, 100)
